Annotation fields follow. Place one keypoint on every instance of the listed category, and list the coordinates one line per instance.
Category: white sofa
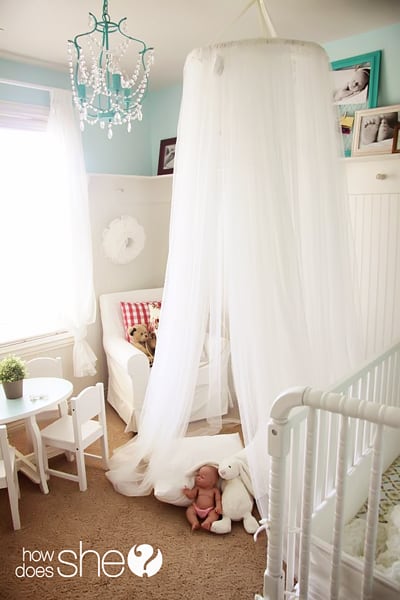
(128, 367)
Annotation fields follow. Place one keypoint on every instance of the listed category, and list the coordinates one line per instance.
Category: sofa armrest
(127, 356)
(127, 361)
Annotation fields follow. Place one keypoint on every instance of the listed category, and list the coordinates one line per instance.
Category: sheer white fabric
(259, 248)
(77, 299)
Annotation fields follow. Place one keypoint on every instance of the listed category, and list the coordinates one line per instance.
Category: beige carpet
(195, 565)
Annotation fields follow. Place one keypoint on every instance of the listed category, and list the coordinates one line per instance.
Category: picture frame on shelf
(166, 156)
(355, 87)
(374, 130)
(396, 140)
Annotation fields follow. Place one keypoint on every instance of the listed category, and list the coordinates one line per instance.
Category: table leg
(38, 450)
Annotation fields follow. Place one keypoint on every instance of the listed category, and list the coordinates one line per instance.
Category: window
(45, 236)
(30, 220)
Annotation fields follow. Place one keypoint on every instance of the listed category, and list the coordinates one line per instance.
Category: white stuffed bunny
(237, 498)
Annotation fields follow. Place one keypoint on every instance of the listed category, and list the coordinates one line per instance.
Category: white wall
(148, 200)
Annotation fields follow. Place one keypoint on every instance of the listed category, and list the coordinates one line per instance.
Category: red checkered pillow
(134, 313)
(154, 316)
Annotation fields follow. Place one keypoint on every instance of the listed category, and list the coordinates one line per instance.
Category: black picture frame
(166, 157)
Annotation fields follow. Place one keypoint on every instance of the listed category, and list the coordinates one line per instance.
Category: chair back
(8, 475)
(75, 432)
(45, 366)
(89, 404)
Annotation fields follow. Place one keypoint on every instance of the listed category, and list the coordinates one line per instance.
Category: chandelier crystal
(104, 92)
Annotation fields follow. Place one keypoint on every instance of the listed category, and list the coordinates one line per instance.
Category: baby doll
(206, 498)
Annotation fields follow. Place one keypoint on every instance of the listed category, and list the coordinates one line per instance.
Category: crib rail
(315, 439)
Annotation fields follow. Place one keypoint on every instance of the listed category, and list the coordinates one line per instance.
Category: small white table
(39, 393)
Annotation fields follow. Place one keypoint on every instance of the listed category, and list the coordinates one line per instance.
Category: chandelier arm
(75, 42)
(129, 37)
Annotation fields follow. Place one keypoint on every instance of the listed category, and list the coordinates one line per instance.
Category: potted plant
(12, 373)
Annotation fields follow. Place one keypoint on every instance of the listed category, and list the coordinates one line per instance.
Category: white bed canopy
(259, 247)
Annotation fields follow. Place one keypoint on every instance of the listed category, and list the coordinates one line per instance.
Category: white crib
(328, 450)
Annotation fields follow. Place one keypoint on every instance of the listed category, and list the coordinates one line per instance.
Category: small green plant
(12, 368)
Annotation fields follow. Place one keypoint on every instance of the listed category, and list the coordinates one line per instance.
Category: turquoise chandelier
(104, 91)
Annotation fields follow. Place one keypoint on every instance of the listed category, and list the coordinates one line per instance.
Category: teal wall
(125, 154)
(386, 39)
(164, 109)
(136, 153)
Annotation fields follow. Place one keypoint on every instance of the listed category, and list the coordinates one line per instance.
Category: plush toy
(237, 495)
(139, 337)
(152, 342)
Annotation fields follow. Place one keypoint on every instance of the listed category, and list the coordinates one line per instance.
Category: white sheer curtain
(77, 299)
(259, 247)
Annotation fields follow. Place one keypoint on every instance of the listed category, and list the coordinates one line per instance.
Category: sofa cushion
(134, 313)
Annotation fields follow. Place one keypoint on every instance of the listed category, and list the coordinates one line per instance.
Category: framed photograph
(396, 140)
(355, 87)
(374, 130)
(166, 157)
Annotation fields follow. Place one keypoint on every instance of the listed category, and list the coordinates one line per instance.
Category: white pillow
(190, 454)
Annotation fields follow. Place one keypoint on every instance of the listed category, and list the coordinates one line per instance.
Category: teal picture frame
(362, 70)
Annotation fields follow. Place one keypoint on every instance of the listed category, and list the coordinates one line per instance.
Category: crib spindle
(339, 512)
(372, 515)
(293, 508)
(307, 505)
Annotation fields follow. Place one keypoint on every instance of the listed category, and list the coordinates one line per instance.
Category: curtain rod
(33, 86)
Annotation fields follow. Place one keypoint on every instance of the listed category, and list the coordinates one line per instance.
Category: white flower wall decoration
(123, 240)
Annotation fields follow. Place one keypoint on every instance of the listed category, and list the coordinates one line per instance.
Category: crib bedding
(387, 572)
(390, 492)
(388, 537)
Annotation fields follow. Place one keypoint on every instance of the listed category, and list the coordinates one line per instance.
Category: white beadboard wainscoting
(374, 202)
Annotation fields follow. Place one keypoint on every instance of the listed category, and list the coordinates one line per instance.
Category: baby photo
(378, 128)
(351, 85)
(374, 130)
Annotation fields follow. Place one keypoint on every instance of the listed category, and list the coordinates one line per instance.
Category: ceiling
(37, 30)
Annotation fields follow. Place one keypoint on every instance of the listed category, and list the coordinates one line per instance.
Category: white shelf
(373, 174)
(371, 157)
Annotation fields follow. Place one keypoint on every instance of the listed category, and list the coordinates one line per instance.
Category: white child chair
(46, 366)
(74, 433)
(9, 475)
